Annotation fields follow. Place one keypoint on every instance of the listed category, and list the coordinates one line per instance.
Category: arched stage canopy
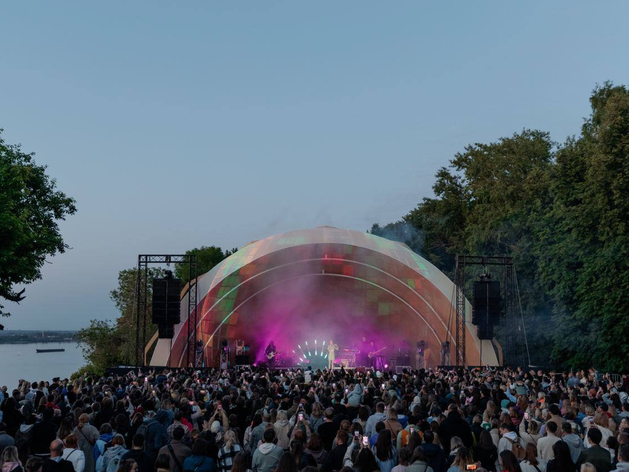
(321, 284)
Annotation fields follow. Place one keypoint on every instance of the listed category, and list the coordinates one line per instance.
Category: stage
(304, 288)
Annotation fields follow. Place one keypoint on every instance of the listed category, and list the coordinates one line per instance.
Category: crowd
(294, 420)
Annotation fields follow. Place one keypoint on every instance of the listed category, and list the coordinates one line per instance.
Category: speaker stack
(487, 307)
(166, 305)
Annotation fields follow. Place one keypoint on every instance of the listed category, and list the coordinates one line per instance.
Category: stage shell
(325, 282)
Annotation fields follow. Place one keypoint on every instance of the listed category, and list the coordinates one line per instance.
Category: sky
(181, 124)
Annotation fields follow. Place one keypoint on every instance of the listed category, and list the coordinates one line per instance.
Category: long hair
(126, 465)
(563, 459)
(418, 455)
(463, 458)
(9, 454)
(414, 440)
(510, 462)
(286, 463)
(531, 454)
(383, 445)
(67, 425)
(485, 441)
(315, 443)
(297, 449)
(455, 443)
(365, 461)
(230, 439)
(240, 463)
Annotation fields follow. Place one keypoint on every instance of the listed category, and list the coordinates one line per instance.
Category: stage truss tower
(516, 349)
(141, 301)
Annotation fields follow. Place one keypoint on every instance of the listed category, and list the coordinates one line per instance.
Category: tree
(485, 203)
(101, 345)
(107, 343)
(30, 209)
(207, 258)
(583, 238)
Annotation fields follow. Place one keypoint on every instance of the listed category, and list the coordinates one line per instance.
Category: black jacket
(435, 457)
(42, 435)
(453, 426)
(145, 463)
(335, 459)
(61, 466)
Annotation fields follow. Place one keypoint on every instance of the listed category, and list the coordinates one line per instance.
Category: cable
(526, 340)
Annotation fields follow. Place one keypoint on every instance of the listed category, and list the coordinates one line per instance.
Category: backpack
(155, 442)
(517, 449)
(114, 462)
(102, 447)
(196, 466)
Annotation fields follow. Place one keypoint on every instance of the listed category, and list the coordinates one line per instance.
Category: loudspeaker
(486, 306)
(166, 331)
(165, 299)
(242, 359)
(485, 331)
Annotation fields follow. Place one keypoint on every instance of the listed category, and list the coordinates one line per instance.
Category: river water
(21, 361)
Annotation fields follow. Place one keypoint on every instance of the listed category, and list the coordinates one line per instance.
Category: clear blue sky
(181, 124)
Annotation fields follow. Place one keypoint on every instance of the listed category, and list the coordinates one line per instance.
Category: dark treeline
(562, 211)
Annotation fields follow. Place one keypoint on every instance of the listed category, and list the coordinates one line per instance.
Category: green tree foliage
(108, 343)
(562, 212)
(30, 209)
(207, 258)
(100, 344)
(583, 244)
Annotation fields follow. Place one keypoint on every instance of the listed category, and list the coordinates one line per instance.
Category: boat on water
(50, 350)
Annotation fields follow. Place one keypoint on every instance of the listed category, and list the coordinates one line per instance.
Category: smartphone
(219, 407)
(412, 430)
(365, 441)
(301, 416)
(526, 416)
(356, 434)
(382, 386)
(470, 467)
(190, 403)
(333, 385)
(346, 390)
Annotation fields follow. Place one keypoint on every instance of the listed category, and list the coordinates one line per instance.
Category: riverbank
(31, 336)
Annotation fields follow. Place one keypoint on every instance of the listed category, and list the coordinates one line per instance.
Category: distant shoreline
(36, 337)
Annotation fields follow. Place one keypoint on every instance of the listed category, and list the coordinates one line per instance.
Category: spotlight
(386, 366)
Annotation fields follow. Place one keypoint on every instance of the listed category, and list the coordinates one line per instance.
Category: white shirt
(545, 447)
(76, 456)
(527, 467)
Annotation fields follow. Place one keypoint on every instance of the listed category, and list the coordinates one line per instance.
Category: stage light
(294, 352)
(315, 341)
(298, 346)
(306, 343)
(386, 366)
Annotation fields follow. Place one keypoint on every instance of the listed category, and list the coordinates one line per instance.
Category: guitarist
(372, 351)
(270, 352)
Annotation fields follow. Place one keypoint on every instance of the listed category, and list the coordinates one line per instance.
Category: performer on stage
(270, 352)
(331, 356)
(372, 352)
